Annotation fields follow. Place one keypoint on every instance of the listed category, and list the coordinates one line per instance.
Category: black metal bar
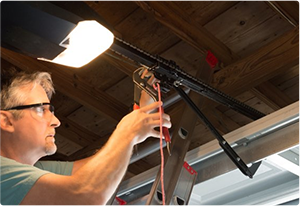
(222, 142)
(168, 72)
(128, 51)
(171, 75)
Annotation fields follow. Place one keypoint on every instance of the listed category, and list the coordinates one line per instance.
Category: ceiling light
(47, 32)
(85, 42)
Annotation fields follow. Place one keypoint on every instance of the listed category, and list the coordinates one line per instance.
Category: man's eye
(40, 109)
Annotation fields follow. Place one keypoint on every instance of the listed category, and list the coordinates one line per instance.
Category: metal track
(170, 74)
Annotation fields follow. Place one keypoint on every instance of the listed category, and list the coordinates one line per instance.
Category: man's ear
(6, 119)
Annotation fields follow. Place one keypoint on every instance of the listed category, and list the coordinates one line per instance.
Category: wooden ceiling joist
(261, 66)
(289, 10)
(272, 96)
(188, 29)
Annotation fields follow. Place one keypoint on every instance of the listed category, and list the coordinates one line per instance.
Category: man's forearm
(112, 160)
(99, 177)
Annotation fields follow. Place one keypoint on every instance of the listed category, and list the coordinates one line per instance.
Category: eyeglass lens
(43, 112)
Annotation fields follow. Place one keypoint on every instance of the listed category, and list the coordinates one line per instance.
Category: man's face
(36, 129)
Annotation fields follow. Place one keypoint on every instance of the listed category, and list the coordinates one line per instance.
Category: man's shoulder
(16, 180)
(11, 166)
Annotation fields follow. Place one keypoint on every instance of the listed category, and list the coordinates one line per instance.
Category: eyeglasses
(41, 110)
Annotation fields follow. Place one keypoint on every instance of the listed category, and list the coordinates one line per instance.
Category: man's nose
(55, 122)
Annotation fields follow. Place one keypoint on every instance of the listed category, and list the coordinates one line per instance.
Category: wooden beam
(271, 95)
(77, 133)
(220, 121)
(124, 65)
(264, 64)
(289, 10)
(89, 150)
(69, 85)
(188, 29)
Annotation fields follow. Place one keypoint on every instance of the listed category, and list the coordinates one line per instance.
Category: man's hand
(145, 98)
(140, 123)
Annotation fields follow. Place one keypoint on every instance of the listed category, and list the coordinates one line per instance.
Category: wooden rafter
(289, 10)
(272, 96)
(261, 66)
(188, 29)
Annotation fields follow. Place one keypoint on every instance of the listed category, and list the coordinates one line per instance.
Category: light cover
(84, 43)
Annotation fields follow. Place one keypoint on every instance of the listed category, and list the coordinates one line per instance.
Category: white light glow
(86, 41)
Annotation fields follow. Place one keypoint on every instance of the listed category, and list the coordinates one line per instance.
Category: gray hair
(14, 93)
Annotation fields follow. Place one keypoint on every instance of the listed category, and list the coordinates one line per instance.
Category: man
(27, 133)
